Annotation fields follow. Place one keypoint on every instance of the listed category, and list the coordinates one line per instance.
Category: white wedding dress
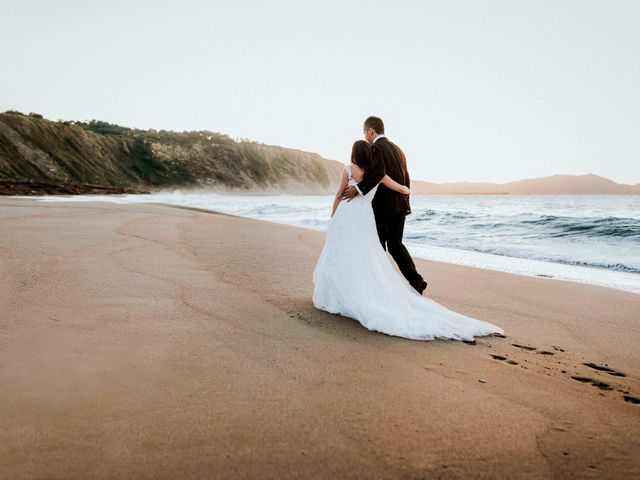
(355, 278)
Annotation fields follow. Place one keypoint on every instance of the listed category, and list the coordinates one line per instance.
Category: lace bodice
(351, 179)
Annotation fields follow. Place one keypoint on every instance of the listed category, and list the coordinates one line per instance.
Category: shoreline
(528, 267)
(155, 342)
(544, 277)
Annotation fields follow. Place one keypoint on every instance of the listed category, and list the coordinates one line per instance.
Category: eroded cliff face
(34, 149)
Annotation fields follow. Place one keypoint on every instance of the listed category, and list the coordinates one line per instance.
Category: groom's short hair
(376, 124)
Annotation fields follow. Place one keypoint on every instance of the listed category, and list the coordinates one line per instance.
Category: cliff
(97, 155)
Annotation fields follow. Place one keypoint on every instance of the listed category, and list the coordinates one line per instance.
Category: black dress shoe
(421, 287)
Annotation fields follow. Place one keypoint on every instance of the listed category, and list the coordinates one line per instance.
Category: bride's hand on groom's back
(349, 193)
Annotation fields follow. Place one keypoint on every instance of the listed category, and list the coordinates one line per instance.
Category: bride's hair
(361, 155)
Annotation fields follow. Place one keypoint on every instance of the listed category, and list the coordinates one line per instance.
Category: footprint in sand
(540, 352)
(595, 383)
(505, 359)
(604, 385)
(605, 369)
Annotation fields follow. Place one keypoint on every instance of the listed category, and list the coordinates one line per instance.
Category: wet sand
(149, 341)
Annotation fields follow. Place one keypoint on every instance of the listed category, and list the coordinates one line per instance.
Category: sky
(475, 90)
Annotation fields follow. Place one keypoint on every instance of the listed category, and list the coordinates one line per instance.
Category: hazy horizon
(492, 91)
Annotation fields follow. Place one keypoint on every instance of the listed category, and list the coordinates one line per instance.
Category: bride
(355, 278)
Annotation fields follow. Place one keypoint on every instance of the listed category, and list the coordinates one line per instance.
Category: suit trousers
(390, 228)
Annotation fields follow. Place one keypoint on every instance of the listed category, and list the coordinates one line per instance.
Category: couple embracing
(354, 276)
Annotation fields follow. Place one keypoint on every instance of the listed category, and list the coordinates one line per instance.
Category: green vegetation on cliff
(35, 149)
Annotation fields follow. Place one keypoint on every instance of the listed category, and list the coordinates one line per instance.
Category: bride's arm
(389, 182)
(343, 183)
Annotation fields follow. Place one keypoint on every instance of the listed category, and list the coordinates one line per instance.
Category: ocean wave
(425, 214)
(553, 226)
(428, 215)
(587, 226)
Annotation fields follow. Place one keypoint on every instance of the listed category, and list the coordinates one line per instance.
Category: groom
(390, 208)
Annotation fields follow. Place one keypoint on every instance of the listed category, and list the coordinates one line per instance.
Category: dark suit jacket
(388, 159)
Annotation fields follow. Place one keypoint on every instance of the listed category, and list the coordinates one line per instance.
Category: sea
(593, 239)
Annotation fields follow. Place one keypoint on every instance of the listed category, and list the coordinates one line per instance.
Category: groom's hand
(349, 193)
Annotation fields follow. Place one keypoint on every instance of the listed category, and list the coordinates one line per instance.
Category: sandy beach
(150, 341)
